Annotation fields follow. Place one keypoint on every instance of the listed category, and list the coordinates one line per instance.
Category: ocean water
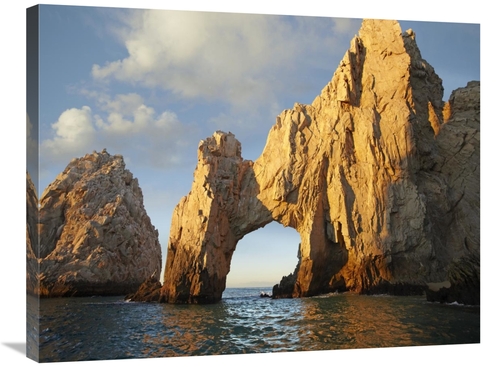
(99, 328)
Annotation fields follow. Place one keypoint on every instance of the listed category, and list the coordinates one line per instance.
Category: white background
(12, 145)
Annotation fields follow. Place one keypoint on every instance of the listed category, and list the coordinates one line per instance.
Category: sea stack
(95, 235)
(378, 175)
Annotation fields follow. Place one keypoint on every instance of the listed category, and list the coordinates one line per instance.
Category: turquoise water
(110, 328)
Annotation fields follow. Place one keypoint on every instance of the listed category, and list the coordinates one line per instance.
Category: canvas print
(205, 183)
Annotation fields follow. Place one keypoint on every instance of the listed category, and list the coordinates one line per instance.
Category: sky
(93, 52)
(150, 84)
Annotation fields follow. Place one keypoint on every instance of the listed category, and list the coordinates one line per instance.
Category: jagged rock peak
(377, 175)
(220, 144)
(88, 165)
(95, 235)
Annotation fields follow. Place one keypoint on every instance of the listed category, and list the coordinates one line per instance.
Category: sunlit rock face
(378, 176)
(95, 235)
(206, 225)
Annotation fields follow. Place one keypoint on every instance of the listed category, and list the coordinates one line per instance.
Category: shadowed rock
(149, 291)
(31, 236)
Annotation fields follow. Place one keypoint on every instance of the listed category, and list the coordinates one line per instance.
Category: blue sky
(150, 84)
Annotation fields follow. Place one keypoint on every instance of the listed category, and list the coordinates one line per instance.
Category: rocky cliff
(378, 176)
(31, 235)
(95, 235)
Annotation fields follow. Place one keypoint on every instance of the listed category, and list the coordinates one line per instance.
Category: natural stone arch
(369, 174)
(200, 248)
(232, 197)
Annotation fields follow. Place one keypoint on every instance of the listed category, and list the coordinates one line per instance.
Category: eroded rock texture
(378, 175)
(31, 235)
(95, 235)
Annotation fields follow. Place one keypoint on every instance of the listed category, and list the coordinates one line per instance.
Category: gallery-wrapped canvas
(209, 183)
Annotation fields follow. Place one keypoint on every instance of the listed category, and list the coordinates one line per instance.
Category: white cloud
(127, 127)
(253, 64)
(237, 58)
(126, 103)
(74, 130)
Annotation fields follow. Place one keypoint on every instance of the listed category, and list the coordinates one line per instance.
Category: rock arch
(230, 198)
(367, 175)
